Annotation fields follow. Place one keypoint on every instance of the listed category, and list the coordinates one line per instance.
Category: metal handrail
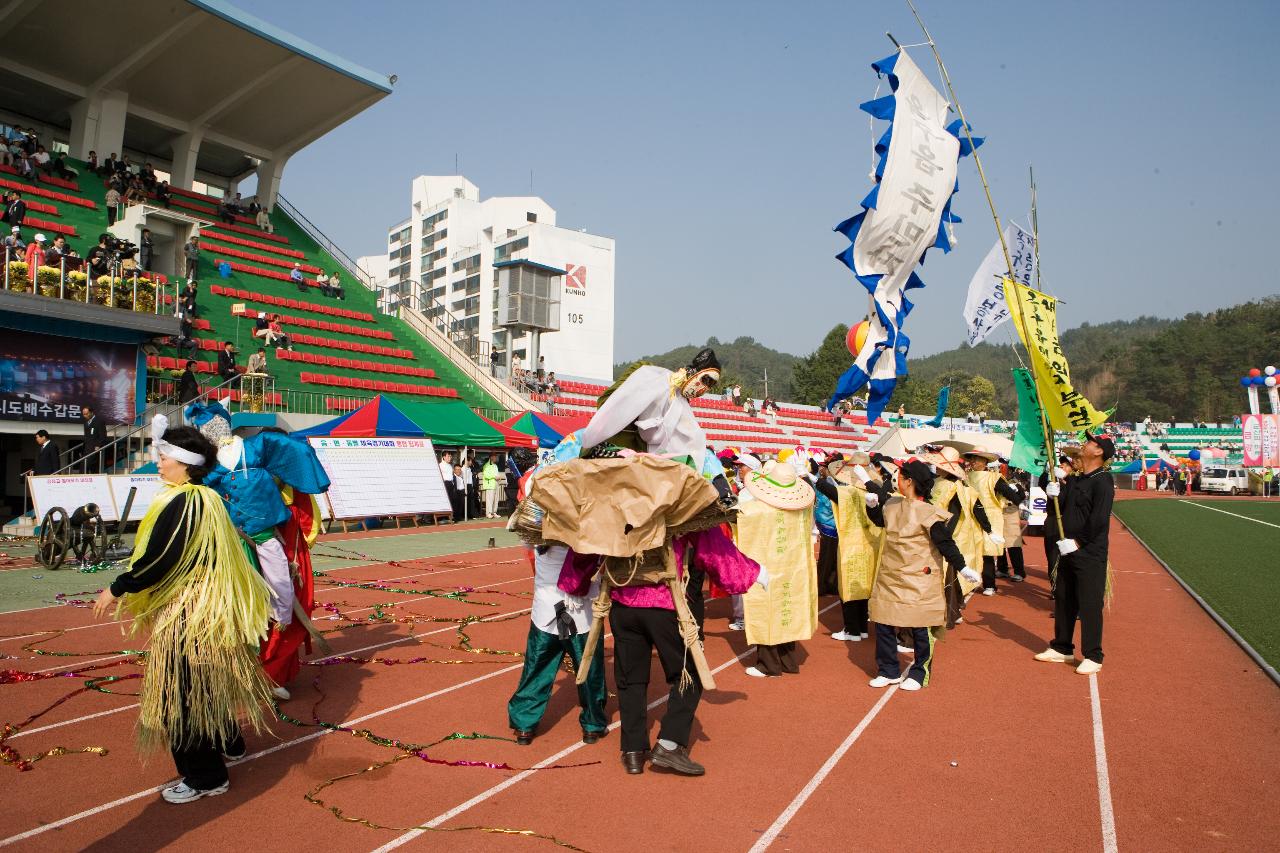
(117, 286)
(498, 390)
(345, 260)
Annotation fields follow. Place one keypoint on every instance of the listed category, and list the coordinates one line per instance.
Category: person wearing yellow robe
(859, 539)
(775, 516)
(968, 523)
(995, 494)
(192, 585)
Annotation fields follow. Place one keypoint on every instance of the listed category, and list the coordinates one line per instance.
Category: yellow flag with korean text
(1035, 315)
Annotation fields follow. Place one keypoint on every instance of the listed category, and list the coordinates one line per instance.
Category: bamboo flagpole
(1004, 247)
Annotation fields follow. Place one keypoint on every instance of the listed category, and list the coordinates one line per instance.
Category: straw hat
(840, 471)
(947, 458)
(988, 455)
(778, 486)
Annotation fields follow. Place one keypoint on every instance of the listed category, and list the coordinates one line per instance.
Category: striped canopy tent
(548, 429)
(377, 418)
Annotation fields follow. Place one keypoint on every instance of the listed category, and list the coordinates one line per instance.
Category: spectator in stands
(14, 246)
(47, 461)
(735, 394)
(95, 438)
(188, 385)
(15, 212)
(542, 368)
(276, 335)
(148, 176)
(749, 408)
(227, 362)
(770, 405)
(58, 252)
(123, 169)
(335, 287)
(92, 162)
(295, 276)
(517, 367)
(185, 339)
(191, 251)
(26, 167)
(113, 201)
(62, 170)
(146, 250)
(258, 362)
(108, 167)
(187, 300)
(262, 326)
(226, 212)
(263, 219)
(35, 257)
(550, 386)
(162, 193)
(322, 281)
(42, 160)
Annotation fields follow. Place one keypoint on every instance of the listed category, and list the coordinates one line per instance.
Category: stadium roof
(255, 89)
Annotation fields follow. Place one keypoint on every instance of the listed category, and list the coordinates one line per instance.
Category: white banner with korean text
(985, 308)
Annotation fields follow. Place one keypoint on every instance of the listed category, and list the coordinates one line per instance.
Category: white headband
(160, 447)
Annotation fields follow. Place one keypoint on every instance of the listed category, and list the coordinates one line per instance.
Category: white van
(1225, 480)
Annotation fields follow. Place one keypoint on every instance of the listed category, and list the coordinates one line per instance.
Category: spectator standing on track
(489, 476)
(1082, 564)
(469, 488)
(191, 251)
(446, 474)
(95, 438)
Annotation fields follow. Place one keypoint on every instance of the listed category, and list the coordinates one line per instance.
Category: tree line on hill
(1169, 370)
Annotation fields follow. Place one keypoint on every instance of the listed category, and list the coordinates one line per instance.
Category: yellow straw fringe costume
(207, 615)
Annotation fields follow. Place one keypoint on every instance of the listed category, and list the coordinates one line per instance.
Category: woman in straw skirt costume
(193, 586)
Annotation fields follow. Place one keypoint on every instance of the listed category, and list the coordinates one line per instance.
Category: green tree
(815, 375)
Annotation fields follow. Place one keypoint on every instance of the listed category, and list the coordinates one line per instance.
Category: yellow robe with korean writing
(860, 543)
(984, 483)
(968, 533)
(779, 540)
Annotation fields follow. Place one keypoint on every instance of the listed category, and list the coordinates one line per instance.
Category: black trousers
(855, 616)
(455, 500)
(199, 760)
(1081, 588)
(828, 565)
(988, 572)
(1051, 550)
(696, 595)
(1013, 558)
(637, 631)
(887, 652)
(775, 660)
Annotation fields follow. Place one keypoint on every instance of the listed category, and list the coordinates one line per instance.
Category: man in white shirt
(468, 490)
(446, 474)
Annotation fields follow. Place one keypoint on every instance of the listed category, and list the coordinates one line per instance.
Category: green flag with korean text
(1029, 452)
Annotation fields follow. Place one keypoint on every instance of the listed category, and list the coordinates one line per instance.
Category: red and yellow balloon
(857, 336)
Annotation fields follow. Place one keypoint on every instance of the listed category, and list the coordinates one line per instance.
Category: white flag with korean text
(985, 308)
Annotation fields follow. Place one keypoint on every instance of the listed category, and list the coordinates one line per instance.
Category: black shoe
(524, 737)
(676, 760)
(589, 736)
(634, 762)
(1018, 578)
(1002, 574)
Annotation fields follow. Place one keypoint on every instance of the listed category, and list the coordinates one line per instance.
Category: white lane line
(382, 645)
(1109, 844)
(771, 834)
(525, 774)
(1236, 514)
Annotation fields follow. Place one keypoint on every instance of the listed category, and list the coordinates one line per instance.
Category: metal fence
(120, 288)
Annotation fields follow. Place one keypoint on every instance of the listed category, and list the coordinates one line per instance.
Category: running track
(1188, 725)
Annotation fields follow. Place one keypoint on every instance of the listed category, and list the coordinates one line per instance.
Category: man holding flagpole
(1082, 564)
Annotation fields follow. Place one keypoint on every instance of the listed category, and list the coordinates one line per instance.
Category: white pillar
(97, 124)
(269, 174)
(186, 148)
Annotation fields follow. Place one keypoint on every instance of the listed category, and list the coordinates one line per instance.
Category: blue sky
(719, 142)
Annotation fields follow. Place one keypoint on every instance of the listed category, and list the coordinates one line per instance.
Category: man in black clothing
(188, 385)
(146, 250)
(187, 300)
(47, 462)
(95, 438)
(227, 362)
(15, 211)
(99, 257)
(1082, 562)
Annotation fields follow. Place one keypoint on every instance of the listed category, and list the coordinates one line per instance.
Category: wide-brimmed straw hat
(945, 458)
(989, 455)
(778, 485)
(840, 471)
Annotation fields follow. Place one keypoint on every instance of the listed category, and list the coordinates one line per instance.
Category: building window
(507, 249)
(431, 221)
(531, 217)
(467, 264)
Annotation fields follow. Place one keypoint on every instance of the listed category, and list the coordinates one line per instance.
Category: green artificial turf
(1231, 562)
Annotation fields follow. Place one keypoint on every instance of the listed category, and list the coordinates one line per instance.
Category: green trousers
(542, 656)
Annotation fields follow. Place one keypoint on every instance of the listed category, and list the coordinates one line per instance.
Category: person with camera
(99, 257)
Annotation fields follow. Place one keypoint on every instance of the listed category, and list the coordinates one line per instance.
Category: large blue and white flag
(904, 215)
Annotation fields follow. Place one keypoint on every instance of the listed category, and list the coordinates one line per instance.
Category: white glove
(970, 575)
(763, 580)
(861, 474)
(873, 500)
(996, 539)
(1067, 546)
(1058, 472)
(1053, 490)
(575, 603)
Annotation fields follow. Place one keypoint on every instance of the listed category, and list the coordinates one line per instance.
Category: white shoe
(989, 591)
(884, 681)
(845, 637)
(1089, 667)
(280, 693)
(864, 635)
(756, 672)
(737, 625)
(1051, 655)
(959, 620)
(911, 684)
(905, 650)
(184, 793)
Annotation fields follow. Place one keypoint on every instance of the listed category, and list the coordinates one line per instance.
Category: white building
(449, 245)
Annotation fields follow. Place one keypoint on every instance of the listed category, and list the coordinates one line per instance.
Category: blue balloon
(1194, 455)
(1259, 380)
(1246, 381)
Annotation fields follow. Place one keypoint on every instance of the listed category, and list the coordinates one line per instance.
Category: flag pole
(1035, 224)
(1004, 246)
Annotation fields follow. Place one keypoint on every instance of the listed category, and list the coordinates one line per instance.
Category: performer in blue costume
(249, 474)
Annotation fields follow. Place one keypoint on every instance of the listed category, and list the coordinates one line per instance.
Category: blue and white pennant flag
(903, 216)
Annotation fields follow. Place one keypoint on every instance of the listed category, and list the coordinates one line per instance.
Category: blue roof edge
(289, 41)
